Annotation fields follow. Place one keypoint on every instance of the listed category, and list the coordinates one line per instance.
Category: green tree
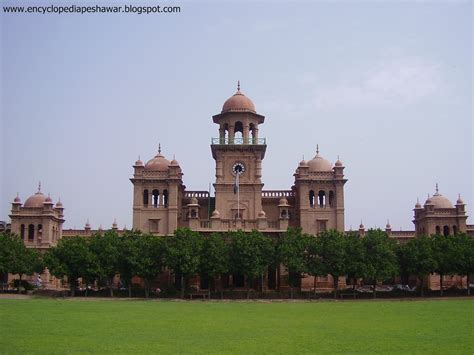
(214, 258)
(150, 258)
(417, 258)
(129, 257)
(183, 254)
(313, 260)
(380, 256)
(355, 258)
(72, 258)
(464, 262)
(251, 254)
(332, 252)
(291, 251)
(106, 249)
(445, 255)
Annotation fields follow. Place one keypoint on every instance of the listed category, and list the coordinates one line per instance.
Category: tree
(129, 257)
(380, 256)
(291, 249)
(106, 249)
(332, 252)
(214, 258)
(72, 258)
(445, 256)
(150, 258)
(183, 254)
(251, 254)
(313, 260)
(355, 257)
(417, 258)
(17, 259)
(464, 262)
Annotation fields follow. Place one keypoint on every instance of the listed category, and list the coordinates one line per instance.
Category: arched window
(156, 198)
(31, 232)
(145, 197)
(193, 213)
(331, 198)
(165, 198)
(22, 231)
(446, 230)
(322, 198)
(438, 230)
(455, 230)
(311, 198)
(238, 132)
(283, 214)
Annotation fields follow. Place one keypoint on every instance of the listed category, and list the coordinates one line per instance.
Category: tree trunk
(314, 286)
(335, 282)
(248, 288)
(354, 287)
(147, 289)
(441, 284)
(182, 286)
(72, 287)
(375, 286)
(130, 288)
(87, 288)
(19, 283)
(111, 290)
(422, 293)
(468, 288)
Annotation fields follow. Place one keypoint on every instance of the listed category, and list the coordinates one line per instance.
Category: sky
(384, 85)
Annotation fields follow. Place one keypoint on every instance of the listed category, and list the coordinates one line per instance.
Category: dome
(417, 205)
(238, 103)
(158, 163)
(338, 163)
(262, 214)
(194, 201)
(48, 200)
(303, 163)
(215, 214)
(17, 199)
(59, 204)
(439, 201)
(36, 200)
(283, 202)
(139, 162)
(318, 163)
(174, 162)
(459, 200)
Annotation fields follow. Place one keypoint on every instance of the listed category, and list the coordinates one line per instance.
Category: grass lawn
(118, 326)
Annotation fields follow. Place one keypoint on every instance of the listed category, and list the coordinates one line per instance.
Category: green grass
(100, 326)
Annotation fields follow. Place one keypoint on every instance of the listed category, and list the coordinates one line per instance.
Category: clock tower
(238, 152)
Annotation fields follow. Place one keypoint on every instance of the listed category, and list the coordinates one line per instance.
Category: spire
(317, 148)
(437, 190)
(159, 148)
(238, 85)
(39, 187)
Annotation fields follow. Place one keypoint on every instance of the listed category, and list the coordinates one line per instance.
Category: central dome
(319, 164)
(158, 163)
(238, 103)
(36, 200)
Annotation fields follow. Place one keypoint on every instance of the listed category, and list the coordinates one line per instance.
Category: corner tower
(238, 152)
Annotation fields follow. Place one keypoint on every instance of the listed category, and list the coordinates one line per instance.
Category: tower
(157, 195)
(320, 194)
(38, 222)
(238, 152)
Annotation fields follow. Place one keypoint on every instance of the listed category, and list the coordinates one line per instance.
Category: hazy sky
(386, 85)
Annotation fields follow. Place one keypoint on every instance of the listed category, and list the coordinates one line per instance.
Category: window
(156, 198)
(446, 230)
(145, 197)
(31, 232)
(22, 231)
(322, 198)
(311, 198)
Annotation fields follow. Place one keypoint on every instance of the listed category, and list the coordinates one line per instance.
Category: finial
(238, 85)
(317, 148)
(174, 157)
(436, 187)
(159, 148)
(139, 157)
(338, 157)
(39, 186)
(18, 195)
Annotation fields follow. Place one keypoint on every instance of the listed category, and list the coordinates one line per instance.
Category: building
(161, 202)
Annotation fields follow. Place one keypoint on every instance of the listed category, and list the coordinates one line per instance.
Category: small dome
(417, 205)
(338, 163)
(303, 163)
(388, 226)
(139, 162)
(215, 214)
(59, 204)
(17, 199)
(48, 200)
(361, 226)
(158, 163)
(194, 201)
(238, 103)
(459, 200)
(262, 214)
(283, 202)
(319, 164)
(87, 226)
(174, 162)
(37, 200)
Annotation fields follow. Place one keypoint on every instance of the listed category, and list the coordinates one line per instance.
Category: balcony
(238, 141)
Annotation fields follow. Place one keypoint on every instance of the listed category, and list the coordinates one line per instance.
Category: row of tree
(374, 257)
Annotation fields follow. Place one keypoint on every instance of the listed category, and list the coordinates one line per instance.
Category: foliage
(129, 257)
(150, 258)
(464, 251)
(214, 258)
(380, 256)
(444, 252)
(354, 257)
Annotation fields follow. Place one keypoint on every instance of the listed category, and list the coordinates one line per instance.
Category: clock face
(238, 168)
